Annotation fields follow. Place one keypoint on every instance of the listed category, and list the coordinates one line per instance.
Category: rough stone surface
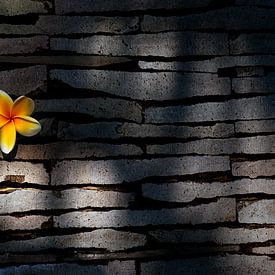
(264, 250)
(229, 264)
(254, 169)
(102, 238)
(221, 235)
(18, 7)
(78, 6)
(25, 171)
(31, 222)
(70, 150)
(255, 126)
(145, 86)
(123, 171)
(162, 44)
(66, 199)
(261, 212)
(188, 191)
(253, 44)
(221, 211)
(23, 81)
(115, 267)
(249, 145)
(233, 18)
(244, 109)
(210, 65)
(261, 85)
(108, 108)
(25, 45)
(114, 130)
(86, 24)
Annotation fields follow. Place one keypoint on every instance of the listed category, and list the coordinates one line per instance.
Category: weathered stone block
(261, 212)
(124, 171)
(188, 191)
(143, 85)
(235, 109)
(224, 210)
(23, 81)
(254, 169)
(162, 44)
(255, 126)
(249, 145)
(95, 107)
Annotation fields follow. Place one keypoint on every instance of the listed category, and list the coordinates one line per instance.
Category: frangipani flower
(15, 117)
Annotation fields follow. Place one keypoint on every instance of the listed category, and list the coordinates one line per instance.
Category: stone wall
(156, 154)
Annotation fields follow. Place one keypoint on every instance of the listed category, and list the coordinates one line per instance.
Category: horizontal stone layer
(62, 25)
(234, 109)
(23, 81)
(210, 65)
(255, 43)
(107, 108)
(268, 250)
(221, 211)
(188, 191)
(115, 130)
(254, 169)
(261, 85)
(221, 235)
(23, 172)
(123, 171)
(163, 44)
(144, 85)
(32, 222)
(261, 212)
(248, 145)
(30, 199)
(80, 6)
(108, 239)
(255, 126)
(263, 3)
(24, 45)
(115, 267)
(232, 18)
(229, 264)
(18, 7)
(71, 150)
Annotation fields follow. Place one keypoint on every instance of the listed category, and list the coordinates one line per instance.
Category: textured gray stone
(228, 265)
(261, 212)
(48, 127)
(32, 222)
(250, 71)
(248, 145)
(255, 126)
(162, 44)
(254, 169)
(67, 199)
(188, 191)
(221, 211)
(23, 81)
(25, 171)
(210, 65)
(115, 267)
(70, 150)
(145, 86)
(235, 109)
(255, 43)
(123, 171)
(233, 18)
(23, 45)
(267, 250)
(221, 235)
(78, 6)
(108, 239)
(95, 107)
(115, 130)
(262, 85)
(19, 7)
(86, 24)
